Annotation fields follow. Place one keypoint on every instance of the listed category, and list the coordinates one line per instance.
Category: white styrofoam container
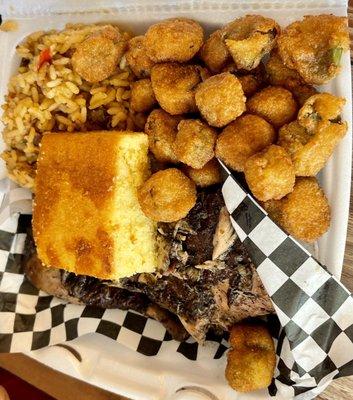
(106, 363)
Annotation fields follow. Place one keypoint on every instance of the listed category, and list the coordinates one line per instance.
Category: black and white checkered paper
(315, 342)
(313, 332)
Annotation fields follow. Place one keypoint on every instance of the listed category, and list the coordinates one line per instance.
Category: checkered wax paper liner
(315, 343)
(313, 340)
(30, 319)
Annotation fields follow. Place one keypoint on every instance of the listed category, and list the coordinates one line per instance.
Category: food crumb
(9, 26)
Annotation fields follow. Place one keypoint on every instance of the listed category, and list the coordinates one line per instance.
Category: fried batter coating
(243, 138)
(270, 173)
(249, 39)
(174, 86)
(313, 47)
(174, 39)
(214, 52)
(280, 75)
(136, 121)
(194, 143)
(98, 56)
(310, 151)
(304, 213)
(137, 58)
(142, 97)
(275, 104)
(161, 129)
(209, 174)
(167, 195)
(220, 99)
(250, 82)
(320, 109)
(251, 360)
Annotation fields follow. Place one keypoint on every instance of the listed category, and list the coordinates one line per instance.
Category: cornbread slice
(86, 217)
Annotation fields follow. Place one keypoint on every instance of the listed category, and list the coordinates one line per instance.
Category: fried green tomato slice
(243, 138)
(270, 173)
(304, 213)
(249, 39)
(167, 195)
(175, 39)
(314, 46)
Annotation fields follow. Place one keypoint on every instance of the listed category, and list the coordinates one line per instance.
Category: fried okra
(209, 174)
(243, 138)
(251, 359)
(320, 109)
(142, 97)
(137, 58)
(314, 46)
(249, 39)
(270, 173)
(175, 39)
(214, 52)
(220, 99)
(304, 213)
(161, 129)
(194, 143)
(275, 104)
(251, 81)
(167, 195)
(98, 56)
(280, 75)
(312, 139)
(174, 86)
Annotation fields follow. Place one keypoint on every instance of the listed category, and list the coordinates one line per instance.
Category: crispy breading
(220, 99)
(304, 213)
(167, 195)
(174, 39)
(275, 104)
(320, 109)
(310, 151)
(280, 75)
(249, 39)
(214, 52)
(251, 81)
(161, 129)
(142, 97)
(97, 57)
(137, 58)
(174, 86)
(312, 139)
(194, 143)
(270, 173)
(243, 138)
(314, 45)
(251, 359)
(209, 174)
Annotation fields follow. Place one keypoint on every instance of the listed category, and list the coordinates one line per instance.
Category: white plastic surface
(104, 362)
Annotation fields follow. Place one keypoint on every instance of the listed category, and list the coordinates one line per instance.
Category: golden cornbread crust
(86, 183)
